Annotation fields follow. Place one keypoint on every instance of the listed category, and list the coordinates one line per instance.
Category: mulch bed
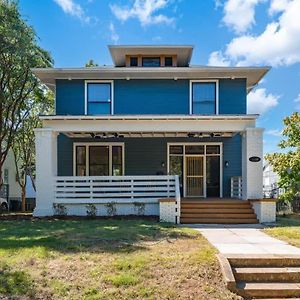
(29, 216)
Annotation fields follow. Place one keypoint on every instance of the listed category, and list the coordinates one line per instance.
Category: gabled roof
(252, 74)
(183, 52)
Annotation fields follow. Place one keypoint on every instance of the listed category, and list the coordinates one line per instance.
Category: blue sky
(229, 32)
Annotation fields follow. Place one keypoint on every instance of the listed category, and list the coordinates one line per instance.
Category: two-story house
(150, 135)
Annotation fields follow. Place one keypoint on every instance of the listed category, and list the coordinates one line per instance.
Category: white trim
(216, 81)
(88, 144)
(111, 94)
(205, 155)
(151, 117)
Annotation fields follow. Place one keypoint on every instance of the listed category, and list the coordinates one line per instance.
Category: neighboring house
(270, 182)
(122, 134)
(11, 187)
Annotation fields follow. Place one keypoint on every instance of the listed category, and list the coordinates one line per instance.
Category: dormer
(151, 56)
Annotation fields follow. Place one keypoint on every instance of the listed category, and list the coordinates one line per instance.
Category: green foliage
(19, 87)
(111, 208)
(14, 282)
(287, 164)
(91, 210)
(59, 209)
(123, 279)
(91, 63)
(139, 208)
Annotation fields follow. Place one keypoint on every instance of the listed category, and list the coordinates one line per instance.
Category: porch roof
(153, 124)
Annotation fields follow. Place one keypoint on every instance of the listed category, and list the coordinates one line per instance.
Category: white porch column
(46, 168)
(252, 171)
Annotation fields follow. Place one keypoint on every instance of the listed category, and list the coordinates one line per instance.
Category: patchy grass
(106, 259)
(287, 229)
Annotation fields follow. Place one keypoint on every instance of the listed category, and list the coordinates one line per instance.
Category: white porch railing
(120, 189)
(236, 187)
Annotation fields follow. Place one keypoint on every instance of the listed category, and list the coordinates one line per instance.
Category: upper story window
(169, 61)
(99, 98)
(151, 61)
(133, 61)
(204, 98)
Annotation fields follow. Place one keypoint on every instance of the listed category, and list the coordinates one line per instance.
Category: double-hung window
(99, 98)
(204, 98)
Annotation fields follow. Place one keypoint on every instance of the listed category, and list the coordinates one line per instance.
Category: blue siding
(232, 152)
(151, 96)
(70, 97)
(145, 156)
(64, 156)
(232, 96)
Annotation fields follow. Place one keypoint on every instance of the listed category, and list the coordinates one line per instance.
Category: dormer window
(133, 61)
(151, 61)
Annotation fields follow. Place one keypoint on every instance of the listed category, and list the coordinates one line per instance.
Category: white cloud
(113, 34)
(274, 132)
(279, 44)
(258, 101)
(143, 10)
(216, 58)
(277, 6)
(73, 9)
(239, 14)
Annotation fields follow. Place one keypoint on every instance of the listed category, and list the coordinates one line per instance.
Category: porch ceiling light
(191, 135)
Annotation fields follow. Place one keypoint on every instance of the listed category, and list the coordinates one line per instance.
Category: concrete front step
(217, 221)
(268, 290)
(218, 216)
(214, 206)
(290, 274)
(218, 210)
(262, 262)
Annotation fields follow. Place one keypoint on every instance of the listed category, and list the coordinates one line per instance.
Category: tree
(91, 63)
(24, 142)
(19, 52)
(287, 164)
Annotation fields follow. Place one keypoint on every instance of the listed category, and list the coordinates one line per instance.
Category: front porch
(132, 163)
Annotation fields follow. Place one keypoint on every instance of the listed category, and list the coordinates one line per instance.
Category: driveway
(243, 239)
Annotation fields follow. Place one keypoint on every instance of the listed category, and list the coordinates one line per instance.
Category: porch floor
(216, 211)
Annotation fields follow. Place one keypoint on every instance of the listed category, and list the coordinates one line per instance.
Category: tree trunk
(23, 198)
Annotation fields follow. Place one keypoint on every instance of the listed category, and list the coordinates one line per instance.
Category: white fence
(120, 189)
(236, 187)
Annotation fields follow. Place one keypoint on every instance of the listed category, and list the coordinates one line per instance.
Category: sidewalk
(241, 239)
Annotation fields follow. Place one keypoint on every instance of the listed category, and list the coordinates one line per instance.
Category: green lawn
(106, 259)
(287, 229)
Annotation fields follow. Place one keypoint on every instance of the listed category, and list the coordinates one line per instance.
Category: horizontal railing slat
(85, 189)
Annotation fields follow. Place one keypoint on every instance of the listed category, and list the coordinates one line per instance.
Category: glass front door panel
(99, 160)
(117, 167)
(80, 161)
(213, 176)
(176, 168)
(194, 176)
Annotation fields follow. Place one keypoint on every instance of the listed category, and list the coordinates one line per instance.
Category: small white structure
(9, 174)
(270, 182)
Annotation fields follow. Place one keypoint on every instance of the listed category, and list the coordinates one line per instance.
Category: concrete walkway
(244, 239)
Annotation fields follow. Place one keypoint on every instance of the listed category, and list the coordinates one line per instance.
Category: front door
(194, 176)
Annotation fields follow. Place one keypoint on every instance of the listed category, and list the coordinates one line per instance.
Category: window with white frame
(204, 97)
(98, 159)
(99, 98)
